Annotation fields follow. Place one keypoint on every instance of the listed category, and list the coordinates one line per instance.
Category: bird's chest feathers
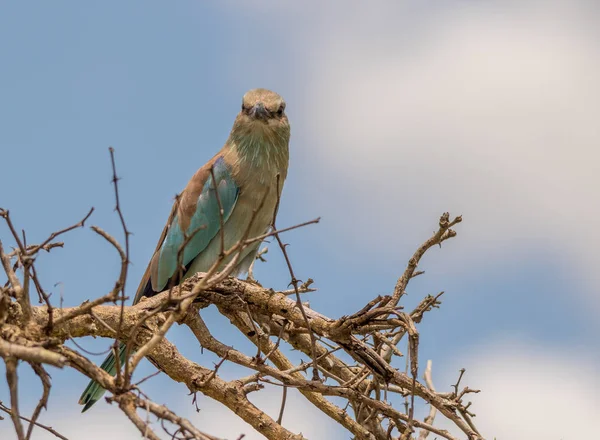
(259, 168)
(256, 202)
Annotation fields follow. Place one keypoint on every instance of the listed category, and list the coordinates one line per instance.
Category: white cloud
(108, 421)
(531, 392)
(484, 110)
(300, 417)
(103, 422)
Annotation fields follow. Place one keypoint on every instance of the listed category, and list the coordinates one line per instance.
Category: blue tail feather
(93, 392)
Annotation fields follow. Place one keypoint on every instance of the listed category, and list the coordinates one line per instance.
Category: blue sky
(399, 112)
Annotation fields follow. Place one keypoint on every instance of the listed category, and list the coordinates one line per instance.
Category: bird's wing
(194, 221)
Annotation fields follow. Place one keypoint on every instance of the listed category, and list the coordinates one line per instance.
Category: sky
(399, 110)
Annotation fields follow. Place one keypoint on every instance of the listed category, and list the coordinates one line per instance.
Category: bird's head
(262, 119)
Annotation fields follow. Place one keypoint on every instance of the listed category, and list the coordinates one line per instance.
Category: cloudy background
(400, 111)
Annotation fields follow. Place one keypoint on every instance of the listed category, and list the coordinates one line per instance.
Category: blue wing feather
(203, 226)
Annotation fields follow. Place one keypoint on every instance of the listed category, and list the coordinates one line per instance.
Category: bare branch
(47, 428)
(12, 380)
(294, 282)
(31, 354)
(272, 321)
(43, 403)
(443, 233)
(432, 411)
(19, 292)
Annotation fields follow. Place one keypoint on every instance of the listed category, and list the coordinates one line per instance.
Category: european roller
(248, 171)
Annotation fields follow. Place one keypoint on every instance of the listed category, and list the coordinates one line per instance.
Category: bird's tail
(93, 392)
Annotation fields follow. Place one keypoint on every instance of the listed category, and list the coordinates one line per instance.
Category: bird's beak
(259, 111)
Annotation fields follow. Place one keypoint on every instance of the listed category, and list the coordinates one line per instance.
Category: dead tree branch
(352, 357)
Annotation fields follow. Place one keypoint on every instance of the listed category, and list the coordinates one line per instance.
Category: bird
(248, 172)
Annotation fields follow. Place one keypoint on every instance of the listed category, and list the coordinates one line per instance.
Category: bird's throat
(268, 154)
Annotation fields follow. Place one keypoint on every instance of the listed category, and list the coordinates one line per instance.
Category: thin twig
(443, 233)
(12, 380)
(123, 276)
(112, 296)
(294, 282)
(221, 212)
(47, 428)
(20, 293)
(43, 403)
(432, 410)
(282, 408)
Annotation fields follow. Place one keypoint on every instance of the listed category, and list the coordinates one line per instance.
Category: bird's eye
(281, 109)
